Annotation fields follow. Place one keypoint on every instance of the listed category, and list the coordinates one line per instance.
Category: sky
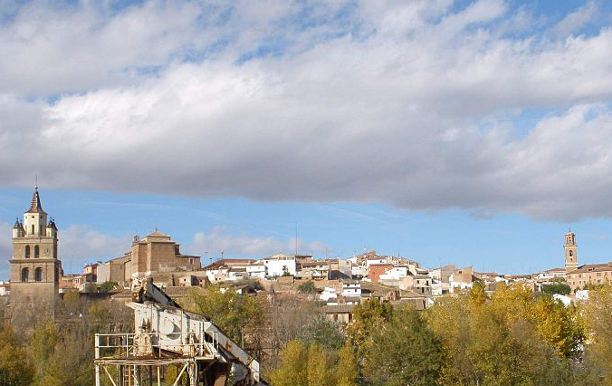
(466, 132)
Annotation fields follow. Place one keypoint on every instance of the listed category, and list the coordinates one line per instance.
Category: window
(24, 274)
(27, 252)
(36, 252)
(38, 274)
(32, 229)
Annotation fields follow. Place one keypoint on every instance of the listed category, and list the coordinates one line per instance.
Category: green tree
(556, 288)
(323, 332)
(16, 368)
(404, 352)
(307, 287)
(107, 286)
(233, 313)
(368, 317)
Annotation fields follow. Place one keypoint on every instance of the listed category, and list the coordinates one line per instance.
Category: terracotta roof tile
(35, 206)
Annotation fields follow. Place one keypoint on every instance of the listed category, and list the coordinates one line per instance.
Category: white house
(4, 288)
(329, 293)
(256, 270)
(552, 274)
(279, 265)
(351, 289)
(375, 261)
(395, 273)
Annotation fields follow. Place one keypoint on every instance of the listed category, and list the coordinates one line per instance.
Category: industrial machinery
(171, 346)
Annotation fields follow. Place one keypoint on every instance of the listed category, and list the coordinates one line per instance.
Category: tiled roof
(35, 206)
(593, 268)
(555, 270)
(338, 309)
(156, 234)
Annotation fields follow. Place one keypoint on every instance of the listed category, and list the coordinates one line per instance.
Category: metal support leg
(137, 377)
(193, 374)
(97, 356)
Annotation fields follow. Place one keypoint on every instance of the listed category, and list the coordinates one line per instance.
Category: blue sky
(467, 132)
(104, 223)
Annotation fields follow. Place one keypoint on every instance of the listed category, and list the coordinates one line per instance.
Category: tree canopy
(229, 310)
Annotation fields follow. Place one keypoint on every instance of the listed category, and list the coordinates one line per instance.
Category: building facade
(156, 255)
(589, 274)
(35, 267)
(581, 276)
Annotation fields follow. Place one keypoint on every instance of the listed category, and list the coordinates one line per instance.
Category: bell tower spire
(35, 264)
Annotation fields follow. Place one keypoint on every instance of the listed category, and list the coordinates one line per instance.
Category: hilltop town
(339, 284)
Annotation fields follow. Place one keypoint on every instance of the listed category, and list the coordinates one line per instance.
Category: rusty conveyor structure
(170, 347)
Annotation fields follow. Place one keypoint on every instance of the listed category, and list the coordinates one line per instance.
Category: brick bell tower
(571, 252)
(35, 266)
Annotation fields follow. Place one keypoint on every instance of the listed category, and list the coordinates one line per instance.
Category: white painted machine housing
(187, 334)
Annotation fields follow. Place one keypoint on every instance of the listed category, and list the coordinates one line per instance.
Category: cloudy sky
(473, 132)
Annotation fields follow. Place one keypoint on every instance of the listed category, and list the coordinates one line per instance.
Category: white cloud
(57, 49)
(80, 244)
(220, 239)
(417, 110)
(576, 20)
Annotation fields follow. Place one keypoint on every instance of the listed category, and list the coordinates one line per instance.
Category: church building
(35, 267)
(581, 276)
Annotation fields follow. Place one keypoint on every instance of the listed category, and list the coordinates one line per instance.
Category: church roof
(35, 206)
(157, 234)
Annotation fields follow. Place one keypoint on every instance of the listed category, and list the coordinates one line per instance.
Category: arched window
(36, 252)
(32, 229)
(27, 252)
(24, 274)
(38, 274)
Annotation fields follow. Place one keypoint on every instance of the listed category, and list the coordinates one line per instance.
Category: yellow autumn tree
(347, 371)
(305, 365)
(598, 324)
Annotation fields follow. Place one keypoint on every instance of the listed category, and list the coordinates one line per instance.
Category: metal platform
(171, 346)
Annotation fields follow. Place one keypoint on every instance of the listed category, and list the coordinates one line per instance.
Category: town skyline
(211, 230)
